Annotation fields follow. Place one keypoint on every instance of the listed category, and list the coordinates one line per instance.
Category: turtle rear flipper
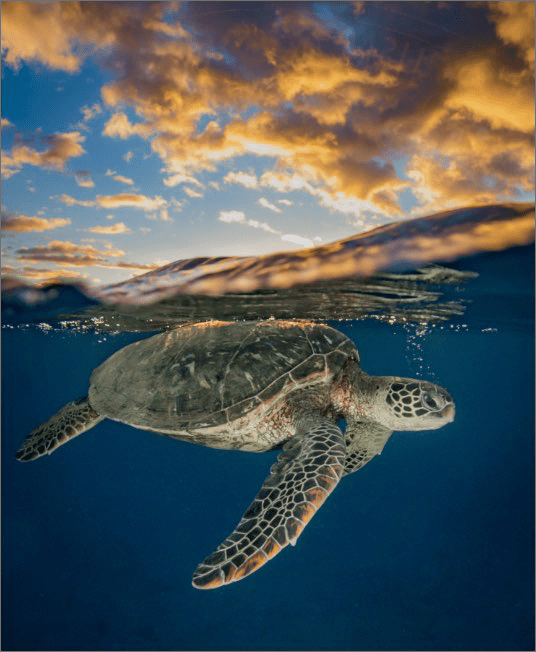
(72, 420)
(305, 473)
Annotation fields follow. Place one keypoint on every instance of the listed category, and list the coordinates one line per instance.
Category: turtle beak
(448, 412)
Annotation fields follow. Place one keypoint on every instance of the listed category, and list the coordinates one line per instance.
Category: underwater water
(429, 547)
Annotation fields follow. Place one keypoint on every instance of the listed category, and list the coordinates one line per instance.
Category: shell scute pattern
(265, 356)
(312, 366)
(323, 341)
(336, 360)
(274, 388)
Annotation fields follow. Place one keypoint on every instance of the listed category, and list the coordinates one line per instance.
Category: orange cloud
(504, 97)
(326, 86)
(119, 126)
(52, 32)
(113, 229)
(61, 147)
(26, 224)
(46, 276)
(68, 254)
(84, 180)
(38, 33)
(176, 179)
(122, 179)
(121, 200)
(448, 186)
(242, 178)
(89, 112)
(514, 22)
(194, 194)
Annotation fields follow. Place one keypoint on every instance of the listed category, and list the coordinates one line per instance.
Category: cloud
(128, 156)
(42, 275)
(238, 217)
(119, 126)
(232, 216)
(297, 239)
(60, 148)
(514, 22)
(6, 123)
(176, 179)
(266, 204)
(113, 229)
(262, 225)
(46, 276)
(61, 34)
(31, 34)
(26, 224)
(242, 178)
(287, 182)
(504, 100)
(451, 185)
(71, 201)
(89, 112)
(84, 180)
(192, 193)
(122, 179)
(120, 200)
(68, 254)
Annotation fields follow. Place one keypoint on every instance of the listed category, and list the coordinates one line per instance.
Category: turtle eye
(430, 402)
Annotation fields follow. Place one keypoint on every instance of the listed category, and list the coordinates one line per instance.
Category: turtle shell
(206, 374)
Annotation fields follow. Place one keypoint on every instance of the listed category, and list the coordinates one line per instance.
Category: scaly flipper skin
(364, 440)
(305, 473)
(72, 420)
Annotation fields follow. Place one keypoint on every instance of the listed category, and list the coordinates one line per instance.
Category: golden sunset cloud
(120, 200)
(45, 276)
(69, 254)
(334, 118)
(515, 25)
(119, 227)
(26, 224)
(126, 180)
(61, 148)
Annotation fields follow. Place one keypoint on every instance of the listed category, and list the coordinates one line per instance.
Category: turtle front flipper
(72, 420)
(305, 473)
(364, 440)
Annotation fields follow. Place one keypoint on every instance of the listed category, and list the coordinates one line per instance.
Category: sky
(135, 134)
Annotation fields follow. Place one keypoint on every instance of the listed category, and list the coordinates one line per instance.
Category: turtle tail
(72, 420)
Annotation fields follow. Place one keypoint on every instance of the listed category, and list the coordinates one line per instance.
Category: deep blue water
(429, 547)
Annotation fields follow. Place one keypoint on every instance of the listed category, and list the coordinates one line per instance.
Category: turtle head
(406, 404)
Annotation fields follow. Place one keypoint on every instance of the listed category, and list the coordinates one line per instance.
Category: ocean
(429, 547)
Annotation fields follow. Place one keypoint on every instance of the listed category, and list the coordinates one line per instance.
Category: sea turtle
(255, 386)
